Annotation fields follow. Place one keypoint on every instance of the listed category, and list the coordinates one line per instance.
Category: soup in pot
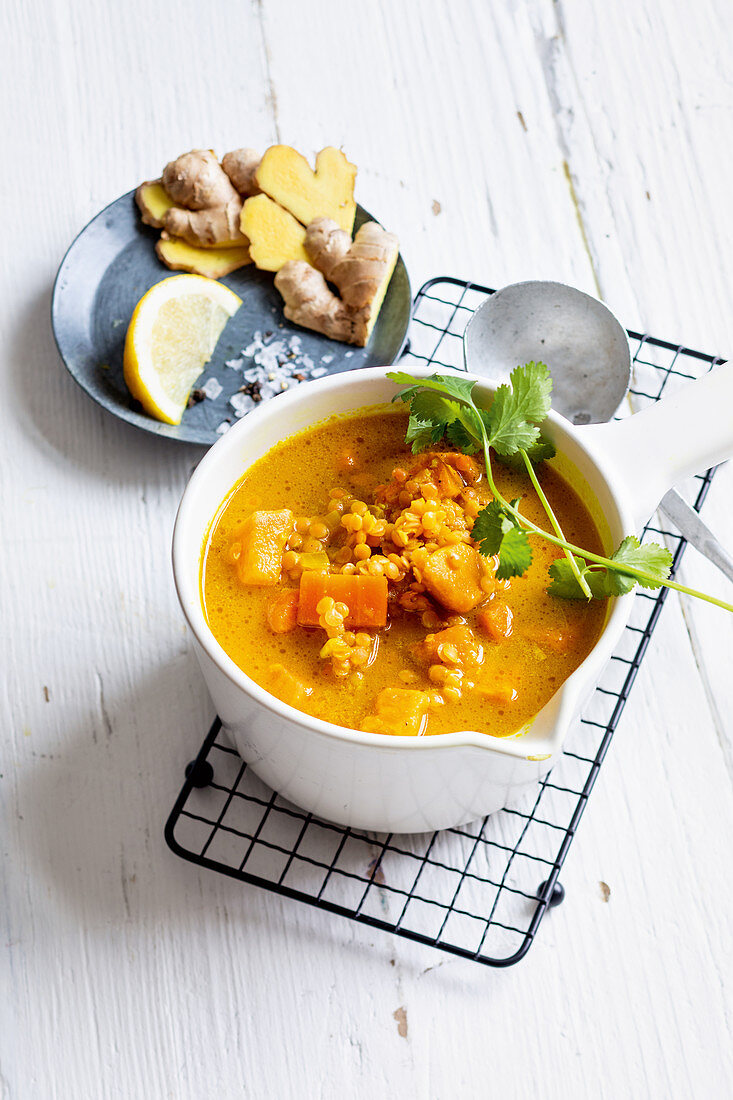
(341, 576)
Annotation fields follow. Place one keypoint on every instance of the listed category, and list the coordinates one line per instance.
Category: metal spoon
(587, 351)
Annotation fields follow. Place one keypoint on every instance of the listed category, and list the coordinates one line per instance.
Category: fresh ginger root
(274, 235)
(207, 207)
(361, 270)
(198, 204)
(213, 263)
(309, 302)
(286, 177)
(241, 165)
(326, 245)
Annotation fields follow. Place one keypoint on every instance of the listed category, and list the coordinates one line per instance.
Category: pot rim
(565, 698)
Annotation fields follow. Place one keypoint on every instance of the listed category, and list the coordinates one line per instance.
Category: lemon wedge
(172, 335)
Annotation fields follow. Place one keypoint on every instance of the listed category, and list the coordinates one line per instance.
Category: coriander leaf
(536, 453)
(565, 583)
(487, 528)
(434, 408)
(532, 387)
(517, 410)
(461, 438)
(451, 385)
(611, 580)
(500, 533)
(422, 435)
(650, 558)
(509, 431)
(515, 554)
(431, 416)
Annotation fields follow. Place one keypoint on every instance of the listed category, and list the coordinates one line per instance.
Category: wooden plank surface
(589, 143)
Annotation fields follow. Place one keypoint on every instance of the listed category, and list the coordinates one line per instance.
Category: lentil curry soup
(340, 575)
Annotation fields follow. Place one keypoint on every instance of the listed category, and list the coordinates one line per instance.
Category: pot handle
(660, 446)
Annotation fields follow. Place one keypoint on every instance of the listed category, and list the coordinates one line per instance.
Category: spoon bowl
(578, 337)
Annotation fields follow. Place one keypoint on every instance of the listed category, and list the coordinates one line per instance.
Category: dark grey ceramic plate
(112, 263)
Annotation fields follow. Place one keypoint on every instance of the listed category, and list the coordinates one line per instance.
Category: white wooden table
(582, 141)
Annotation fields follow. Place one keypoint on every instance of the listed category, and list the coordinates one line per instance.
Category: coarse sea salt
(212, 388)
(241, 403)
(271, 363)
(223, 427)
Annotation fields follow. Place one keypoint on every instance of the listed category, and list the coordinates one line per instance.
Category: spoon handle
(692, 528)
(660, 446)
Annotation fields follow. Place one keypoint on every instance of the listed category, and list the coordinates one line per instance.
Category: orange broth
(504, 680)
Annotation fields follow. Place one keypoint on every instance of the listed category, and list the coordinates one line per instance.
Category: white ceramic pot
(414, 784)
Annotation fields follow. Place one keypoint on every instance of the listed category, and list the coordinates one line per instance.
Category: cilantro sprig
(443, 406)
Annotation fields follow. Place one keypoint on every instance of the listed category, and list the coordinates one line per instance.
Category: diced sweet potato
(261, 540)
(465, 465)
(287, 687)
(500, 692)
(447, 479)
(365, 597)
(464, 649)
(400, 711)
(282, 615)
(497, 620)
(453, 576)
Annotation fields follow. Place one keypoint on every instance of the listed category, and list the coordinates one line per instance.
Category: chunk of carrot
(497, 620)
(287, 687)
(365, 596)
(282, 615)
(400, 711)
(261, 541)
(453, 575)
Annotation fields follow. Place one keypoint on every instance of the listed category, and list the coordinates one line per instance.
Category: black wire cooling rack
(479, 891)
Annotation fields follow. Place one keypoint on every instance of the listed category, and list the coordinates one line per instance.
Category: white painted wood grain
(127, 973)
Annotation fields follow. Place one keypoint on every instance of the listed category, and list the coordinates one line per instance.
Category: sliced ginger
(213, 263)
(153, 202)
(286, 177)
(274, 235)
